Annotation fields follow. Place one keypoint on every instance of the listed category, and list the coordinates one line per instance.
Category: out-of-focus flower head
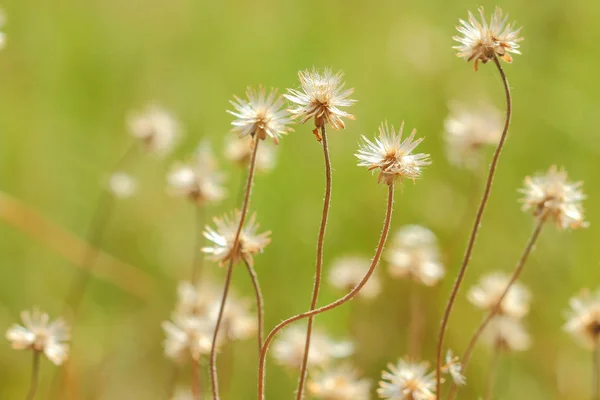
(156, 128)
(407, 381)
(122, 185)
(487, 293)
(347, 272)
(583, 319)
(339, 383)
(239, 150)
(507, 333)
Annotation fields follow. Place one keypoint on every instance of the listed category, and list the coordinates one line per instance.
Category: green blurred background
(72, 70)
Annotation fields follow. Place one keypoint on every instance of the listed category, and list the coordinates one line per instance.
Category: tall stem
(474, 231)
(414, 330)
(339, 302)
(35, 375)
(236, 242)
(197, 260)
(259, 302)
(196, 380)
(319, 264)
(494, 311)
(492, 373)
(596, 371)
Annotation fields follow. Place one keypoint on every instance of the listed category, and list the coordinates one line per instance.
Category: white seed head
(156, 128)
(454, 368)
(414, 254)
(38, 334)
(407, 381)
(223, 238)
(188, 336)
(583, 319)
(347, 272)
(507, 333)
(239, 151)
(392, 156)
(467, 131)
(487, 293)
(261, 115)
(481, 41)
(321, 97)
(122, 185)
(554, 196)
(339, 383)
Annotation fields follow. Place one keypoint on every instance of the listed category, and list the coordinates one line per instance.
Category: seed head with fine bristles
(583, 319)
(392, 155)
(407, 380)
(340, 383)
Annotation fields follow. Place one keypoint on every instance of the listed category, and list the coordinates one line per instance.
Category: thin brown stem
(492, 373)
(197, 260)
(319, 263)
(596, 371)
(414, 324)
(330, 306)
(196, 380)
(236, 242)
(494, 311)
(474, 231)
(259, 302)
(35, 375)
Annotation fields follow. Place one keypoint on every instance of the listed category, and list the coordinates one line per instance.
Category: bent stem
(236, 242)
(35, 375)
(259, 302)
(337, 303)
(519, 268)
(475, 229)
(319, 264)
(596, 371)
(197, 260)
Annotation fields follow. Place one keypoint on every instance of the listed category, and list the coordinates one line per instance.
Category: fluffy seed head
(122, 185)
(481, 41)
(340, 383)
(507, 333)
(223, 238)
(38, 334)
(239, 151)
(583, 319)
(491, 287)
(260, 115)
(392, 155)
(156, 128)
(320, 97)
(414, 254)
(554, 196)
(454, 368)
(407, 381)
(347, 272)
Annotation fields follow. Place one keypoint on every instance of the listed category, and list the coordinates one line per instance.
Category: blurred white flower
(156, 128)
(261, 115)
(507, 333)
(483, 42)
(288, 348)
(392, 156)
(239, 150)
(468, 130)
(2, 35)
(340, 383)
(122, 185)
(199, 180)
(414, 254)
(183, 394)
(223, 238)
(487, 293)
(407, 381)
(583, 319)
(347, 272)
(38, 334)
(554, 195)
(188, 336)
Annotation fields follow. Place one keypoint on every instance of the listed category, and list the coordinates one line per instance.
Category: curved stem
(339, 302)
(519, 268)
(596, 371)
(35, 375)
(197, 260)
(236, 242)
(319, 264)
(259, 302)
(474, 231)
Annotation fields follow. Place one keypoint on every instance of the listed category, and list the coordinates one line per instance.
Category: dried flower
(239, 151)
(261, 115)
(156, 128)
(553, 196)
(320, 98)
(188, 336)
(507, 333)
(583, 319)
(483, 42)
(288, 349)
(468, 131)
(414, 254)
(491, 287)
(122, 185)
(199, 180)
(347, 272)
(340, 383)
(223, 237)
(38, 334)
(454, 368)
(392, 155)
(407, 381)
